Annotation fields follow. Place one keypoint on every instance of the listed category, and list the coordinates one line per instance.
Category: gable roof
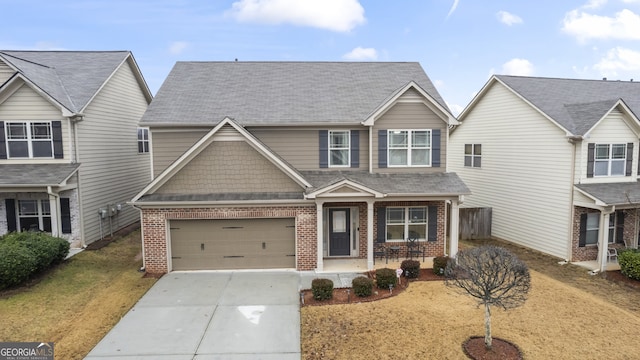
(25, 175)
(204, 142)
(70, 78)
(608, 194)
(576, 105)
(280, 93)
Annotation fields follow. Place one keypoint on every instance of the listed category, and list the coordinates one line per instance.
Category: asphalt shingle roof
(575, 104)
(35, 174)
(255, 93)
(614, 193)
(70, 77)
(400, 183)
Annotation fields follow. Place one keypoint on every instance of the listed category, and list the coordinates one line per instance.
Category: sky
(459, 43)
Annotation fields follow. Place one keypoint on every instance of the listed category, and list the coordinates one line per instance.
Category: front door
(339, 231)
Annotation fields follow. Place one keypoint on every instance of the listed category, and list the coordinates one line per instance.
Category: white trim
(625, 109)
(29, 138)
(348, 148)
(326, 191)
(409, 148)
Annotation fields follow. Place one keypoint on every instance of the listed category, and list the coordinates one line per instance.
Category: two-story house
(71, 153)
(556, 160)
(294, 164)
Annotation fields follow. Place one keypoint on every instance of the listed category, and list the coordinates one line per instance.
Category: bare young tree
(492, 275)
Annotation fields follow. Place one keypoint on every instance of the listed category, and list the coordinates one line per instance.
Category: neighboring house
(69, 142)
(293, 164)
(556, 160)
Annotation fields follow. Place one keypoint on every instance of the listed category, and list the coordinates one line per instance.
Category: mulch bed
(620, 278)
(500, 349)
(346, 296)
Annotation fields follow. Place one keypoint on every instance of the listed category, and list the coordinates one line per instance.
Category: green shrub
(410, 268)
(439, 264)
(362, 286)
(47, 249)
(386, 277)
(629, 261)
(17, 264)
(322, 289)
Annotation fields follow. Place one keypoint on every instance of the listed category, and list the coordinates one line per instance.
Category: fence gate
(475, 223)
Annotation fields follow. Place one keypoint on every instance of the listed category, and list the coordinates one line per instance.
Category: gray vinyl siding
(169, 145)
(27, 105)
(407, 116)
(112, 171)
(300, 147)
(526, 171)
(5, 72)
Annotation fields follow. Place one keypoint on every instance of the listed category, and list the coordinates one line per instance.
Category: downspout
(573, 140)
(76, 159)
(144, 266)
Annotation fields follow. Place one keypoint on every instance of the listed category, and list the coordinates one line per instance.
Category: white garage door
(232, 244)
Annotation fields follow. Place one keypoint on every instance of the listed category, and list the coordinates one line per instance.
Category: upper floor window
(409, 147)
(473, 155)
(339, 148)
(29, 139)
(610, 159)
(143, 140)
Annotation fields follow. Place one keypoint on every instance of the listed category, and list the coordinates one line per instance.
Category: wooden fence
(475, 223)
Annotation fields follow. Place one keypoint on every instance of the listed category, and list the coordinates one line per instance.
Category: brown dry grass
(568, 315)
(79, 302)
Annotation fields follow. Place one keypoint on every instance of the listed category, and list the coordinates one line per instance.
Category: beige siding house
(71, 153)
(277, 165)
(556, 160)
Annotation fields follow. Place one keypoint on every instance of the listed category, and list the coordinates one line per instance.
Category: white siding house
(533, 164)
(69, 142)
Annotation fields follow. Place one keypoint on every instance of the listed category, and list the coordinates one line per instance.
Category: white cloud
(361, 53)
(624, 25)
(594, 4)
(177, 47)
(517, 66)
(335, 15)
(617, 60)
(453, 8)
(455, 109)
(508, 18)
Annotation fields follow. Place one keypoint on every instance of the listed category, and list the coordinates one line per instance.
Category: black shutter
(355, 148)
(382, 148)
(583, 231)
(432, 223)
(324, 148)
(382, 224)
(591, 149)
(3, 142)
(619, 226)
(629, 158)
(65, 215)
(435, 148)
(56, 132)
(10, 209)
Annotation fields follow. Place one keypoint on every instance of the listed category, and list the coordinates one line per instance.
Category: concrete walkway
(212, 315)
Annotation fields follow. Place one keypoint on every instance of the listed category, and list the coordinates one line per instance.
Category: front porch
(594, 266)
(360, 265)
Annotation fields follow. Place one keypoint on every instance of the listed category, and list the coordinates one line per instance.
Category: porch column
(320, 236)
(603, 240)
(454, 229)
(55, 215)
(370, 234)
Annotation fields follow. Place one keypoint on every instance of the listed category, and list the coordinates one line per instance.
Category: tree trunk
(487, 326)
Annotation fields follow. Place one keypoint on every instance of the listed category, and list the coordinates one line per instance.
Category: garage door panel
(233, 244)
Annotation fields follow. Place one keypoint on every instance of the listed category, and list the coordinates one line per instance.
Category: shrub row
(386, 277)
(322, 289)
(410, 268)
(439, 264)
(362, 286)
(27, 253)
(629, 260)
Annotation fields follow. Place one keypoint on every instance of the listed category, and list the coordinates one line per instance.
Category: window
(473, 155)
(409, 147)
(143, 140)
(406, 220)
(339, 148)
(593, 224)
(610, 159)
(34, 215)
(29, 140)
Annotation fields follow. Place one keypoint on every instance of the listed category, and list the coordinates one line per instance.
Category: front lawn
(430, 321)
(76, 304)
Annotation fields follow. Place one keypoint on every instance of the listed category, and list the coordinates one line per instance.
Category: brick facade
(590, 252)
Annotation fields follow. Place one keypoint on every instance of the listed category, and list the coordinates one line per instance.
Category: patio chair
(612, 253)
(380, 251)
(414, 248)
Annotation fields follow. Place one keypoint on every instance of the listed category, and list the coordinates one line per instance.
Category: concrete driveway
(211, 315)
